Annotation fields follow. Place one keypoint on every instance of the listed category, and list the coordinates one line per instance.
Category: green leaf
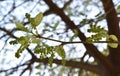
(38, 49)
(74, 36)
(118, 9)
(113, 39)
(13, 42)
(99, 33)
(20, 50)
(35, 40)
(36, 20)
(89, 40)
(51, 59)
(61, 52)
(56, 25)
(17, 55)
(38, 66)
(21, 27)
(23, 40)
(86, 21)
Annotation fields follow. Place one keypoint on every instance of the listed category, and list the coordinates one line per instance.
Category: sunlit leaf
(35, 40)
(118, 9)
(21, 27)
(38, 18)
(113, 39)
(99, 33)
(61, 52)
(23, 40)
(35, 21)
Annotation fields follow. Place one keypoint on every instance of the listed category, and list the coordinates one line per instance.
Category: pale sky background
(20, 12)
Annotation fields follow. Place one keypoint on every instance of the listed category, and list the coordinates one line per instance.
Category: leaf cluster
(46, 50)
(41, 48)
(24, 43)
(99, 33)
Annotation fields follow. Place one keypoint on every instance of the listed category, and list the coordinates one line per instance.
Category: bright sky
(20, 12)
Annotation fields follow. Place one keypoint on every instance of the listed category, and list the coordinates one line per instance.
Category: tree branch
(66, 4)
(92, 49)
(75, 42)
(73, 64)
(113, 28)
(8, 32)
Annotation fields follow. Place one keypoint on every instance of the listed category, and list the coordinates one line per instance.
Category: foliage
(118, 8)
(34, 21)
(32, 37)
(99, 33)
(112, 38)
(71, 39)
(24, 41)
(45, 50)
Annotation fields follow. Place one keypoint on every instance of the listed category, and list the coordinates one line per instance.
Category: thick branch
(111, 17)
(73, 64)
(113, 28)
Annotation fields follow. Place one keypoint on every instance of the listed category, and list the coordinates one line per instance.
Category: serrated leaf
(113, 39)
(21, 27)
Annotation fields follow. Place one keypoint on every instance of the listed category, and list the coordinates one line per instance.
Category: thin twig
(75, 42)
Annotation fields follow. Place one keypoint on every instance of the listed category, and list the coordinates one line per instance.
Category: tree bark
(113, 28)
